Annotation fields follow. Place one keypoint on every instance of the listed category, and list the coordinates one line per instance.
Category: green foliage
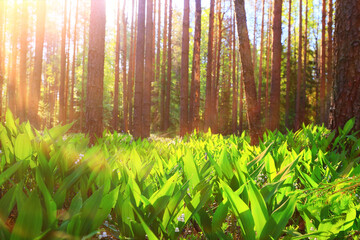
(299, 185)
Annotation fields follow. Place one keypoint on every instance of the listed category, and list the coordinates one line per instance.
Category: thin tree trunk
(158, 58)
(125, 87)
(149, 71)
(168, 84)
(83, 84)
(163, 78)
(254, 42)
(94, 100)
(234, 80)
(330, 64)
(194, 113)
(115, 113)
(253, 108)
(261, 51)
(139, 70)
(323, 65)
(2, 52)
(304, 75)
(299, 74)
(208, 102)
(73, 74)
(276, 68)
(62, 102)
(241, 107)
(184, 82)
(21, 108)
(269, 47)
(12, 76)
(131, 67)
(67, 78)
(288, 72)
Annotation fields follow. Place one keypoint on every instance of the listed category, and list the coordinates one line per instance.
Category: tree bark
(323, 64)
(234, 80)
(21, 108)
(253, 108)
(347, 64)
(208, 101)
(184, 82)
(131, 67)
(115, 113)
(276, 68)
(168, 83)
(139, 70)
(299, 75)
(62, 101)
(94, 100)
(12, 76)
(330, 64)
(125, 82)
(261, 51)
(163, 78)
(288, 72)
(194, 112)
(83, 82)
(149, 71)
(2, 53)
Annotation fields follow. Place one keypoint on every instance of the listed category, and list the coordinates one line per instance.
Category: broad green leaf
(23, 148)
(4, 176)
(190, 169)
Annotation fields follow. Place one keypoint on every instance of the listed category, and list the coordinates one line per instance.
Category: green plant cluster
(302, 185)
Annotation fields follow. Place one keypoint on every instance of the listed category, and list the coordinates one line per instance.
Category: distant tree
(125, 82)
(14, 50)
(288, 72)
(163, 77)
(261, 50)
(253, 107)
(330, 64)
(169, 65)
(83, 78)
(131, 67)
(2, 54)
(347, 64)
(35, 82)
(62, 99)
(184, 81)
(194, 114)
(298, 118)
(21, 104)
(234, 76)
(94, 99)
(115, 113)
(323, 64)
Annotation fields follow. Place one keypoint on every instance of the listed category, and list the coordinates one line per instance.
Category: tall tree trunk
(168, 83)
(184, 82)
(62, 101)
(125, 86)
(299, 75)
(35, 82)
(73, 74)
(67, 77)
(276, 68)
(330, 64)
(234, 80)
(347, 64)
(12, 76)
(131, 67)
(304, 75)
(21, 108)
(149, 71)
(208, 101)
(323, 64)
(288, 72)
(83, 80)
(253, 107)
(194, 111)
(94, 99)
(241, 104)
(139, 70)
(261, 51)
(2, 53)
(163, 78)
(254, 42)
(115, 113)
(269, 47)
(158, 60)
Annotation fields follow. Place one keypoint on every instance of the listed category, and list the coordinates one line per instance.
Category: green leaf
(9, 172)
(220, 215)
(29, 221)
(23, 148)
(190, 169)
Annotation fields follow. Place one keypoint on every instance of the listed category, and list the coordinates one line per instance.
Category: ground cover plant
(302, 185)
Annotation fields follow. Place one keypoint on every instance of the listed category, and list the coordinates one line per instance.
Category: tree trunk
(184, 82)
(94, 100)
(115, 113)
(21, 108)
(62, 101)
(299, 75)
(266, 105)
(12, 76)
(125, 87)
(253, 107)
(330, 64)
(323, 64)
(208, 101)
(347, 64)
(158, 61)
(234, 80)
(35, 82)
(288, 72)
(194, 113)
(83, 85)
(168, 83)
(304, 75)
(67, 78)
(73, 74)
(276, 68)
(131, 67)
(139, 70)
(241, 108)
(2, 53)
(163, 78)
(149, 71)
(261, 51)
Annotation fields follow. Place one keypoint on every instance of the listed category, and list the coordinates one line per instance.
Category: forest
(179, 119)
